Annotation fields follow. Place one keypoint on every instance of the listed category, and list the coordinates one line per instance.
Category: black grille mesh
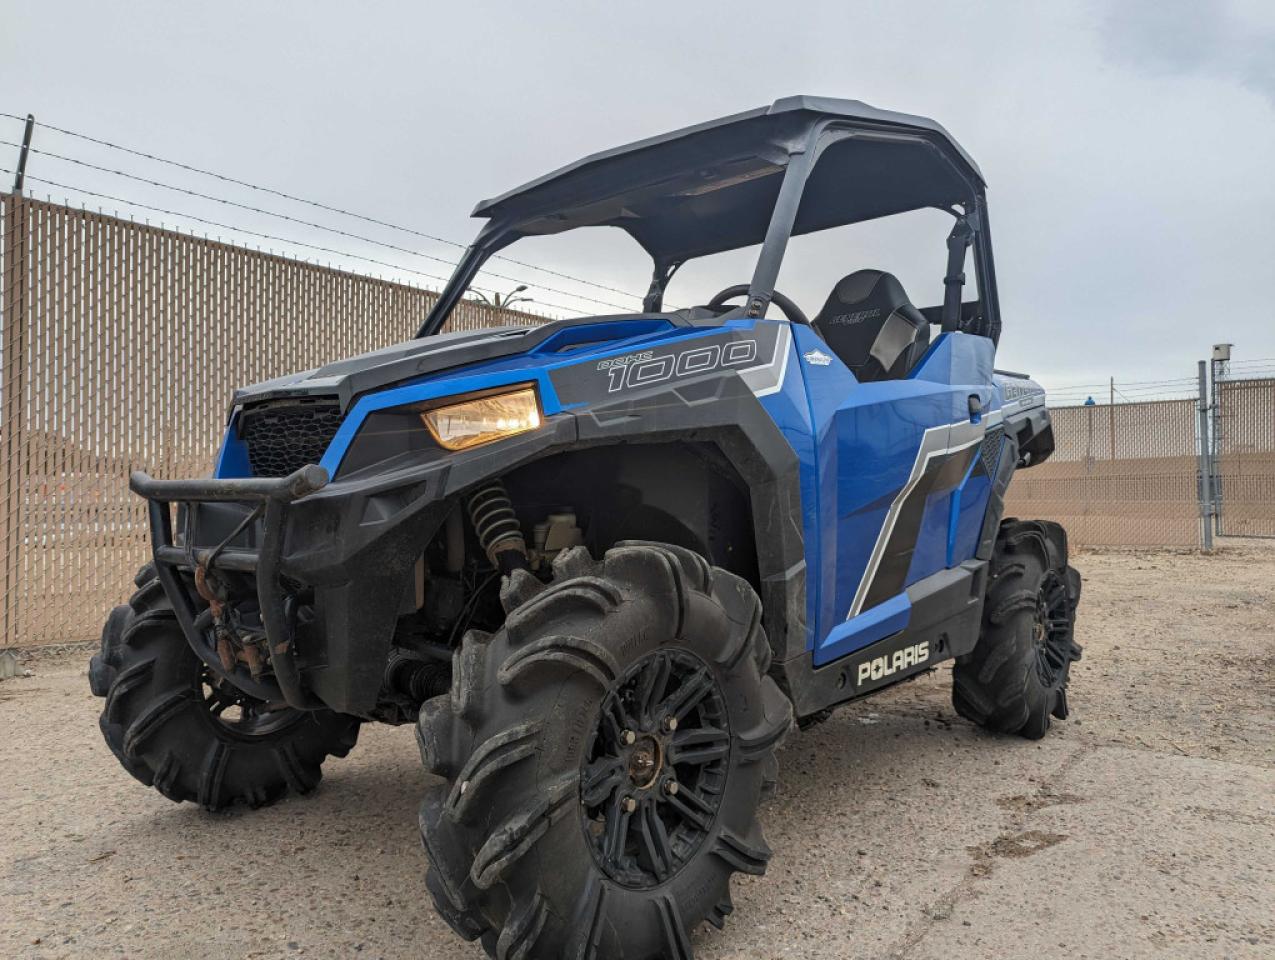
(284, 437)
(991, 449)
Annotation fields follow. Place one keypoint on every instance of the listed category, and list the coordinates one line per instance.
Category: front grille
(285, 436)
(991, 449)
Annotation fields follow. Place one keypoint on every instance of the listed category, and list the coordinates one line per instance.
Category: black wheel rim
(1053, 629)
(239, 715)
(654, 769)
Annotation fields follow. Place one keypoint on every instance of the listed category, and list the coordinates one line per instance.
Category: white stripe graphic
(768, 378)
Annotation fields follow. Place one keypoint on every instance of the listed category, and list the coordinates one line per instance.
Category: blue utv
(605, 564)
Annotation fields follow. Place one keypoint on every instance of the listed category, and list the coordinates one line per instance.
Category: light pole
(506, 301)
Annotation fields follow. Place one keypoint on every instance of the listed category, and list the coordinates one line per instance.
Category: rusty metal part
(251, 655)
(225, 648)
(229, 649)
(205, 589)
(646, 760)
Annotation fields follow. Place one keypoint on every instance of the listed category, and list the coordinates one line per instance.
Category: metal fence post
(13, 211)
(21, 173)
(1111, 419)
(1206, 462)
(1218, 370)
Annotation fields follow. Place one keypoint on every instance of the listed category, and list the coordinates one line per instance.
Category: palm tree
(503, 301)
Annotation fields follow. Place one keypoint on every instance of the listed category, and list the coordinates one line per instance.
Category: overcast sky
(1129, 147)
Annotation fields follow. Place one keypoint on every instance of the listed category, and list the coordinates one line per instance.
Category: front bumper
(328, 564)
(325, 566)
(272, 497)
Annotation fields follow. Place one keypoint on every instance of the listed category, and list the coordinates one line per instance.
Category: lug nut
(628, 738)
(670, 724)
(628, 804)
(670, 787)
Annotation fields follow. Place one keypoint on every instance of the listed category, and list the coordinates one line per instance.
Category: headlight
(464, 425)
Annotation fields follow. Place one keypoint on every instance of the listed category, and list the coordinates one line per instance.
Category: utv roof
(712, 187)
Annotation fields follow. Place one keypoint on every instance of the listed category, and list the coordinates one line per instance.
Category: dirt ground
(1142, 827)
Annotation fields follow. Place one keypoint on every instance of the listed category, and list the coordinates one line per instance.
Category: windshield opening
(589, 271)
(911, 246)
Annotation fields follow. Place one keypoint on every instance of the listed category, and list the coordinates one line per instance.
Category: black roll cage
(798, 155)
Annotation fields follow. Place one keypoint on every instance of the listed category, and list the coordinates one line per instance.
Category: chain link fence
(121, 346)
(1244, 450)
(1123, 474)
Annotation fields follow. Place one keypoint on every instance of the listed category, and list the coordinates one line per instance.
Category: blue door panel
(867, 439)
(899, 497)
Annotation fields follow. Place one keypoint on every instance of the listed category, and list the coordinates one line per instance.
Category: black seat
(871, 325)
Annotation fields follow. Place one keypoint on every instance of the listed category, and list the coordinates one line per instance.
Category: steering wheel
(790, 309)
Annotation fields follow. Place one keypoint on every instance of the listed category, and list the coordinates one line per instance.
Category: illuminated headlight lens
(474, 422)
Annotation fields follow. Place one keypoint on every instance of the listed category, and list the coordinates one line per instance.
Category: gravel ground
(1144, 826)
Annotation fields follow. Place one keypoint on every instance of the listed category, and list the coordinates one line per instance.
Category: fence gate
(1243, 405)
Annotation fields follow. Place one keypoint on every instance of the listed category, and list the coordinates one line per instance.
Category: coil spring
(492, 514)
(418, 679)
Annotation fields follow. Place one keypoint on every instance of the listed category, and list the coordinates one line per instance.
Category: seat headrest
(871, 325)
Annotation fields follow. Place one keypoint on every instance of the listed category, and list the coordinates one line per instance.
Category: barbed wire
(1260, 361)
(1149, 391)
(1161, 389)
(1143, 401)
(1105, 397)
(1166, 385)
(305, 223)
(273, 237)
(190, 168)
(1139, 388)
(1255, 373)
(1132, 391)
(1132, 383)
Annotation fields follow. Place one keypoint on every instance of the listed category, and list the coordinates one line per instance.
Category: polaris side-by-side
(605, 564)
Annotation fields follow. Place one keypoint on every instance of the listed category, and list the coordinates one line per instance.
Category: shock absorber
(416, 678)
(492, 514)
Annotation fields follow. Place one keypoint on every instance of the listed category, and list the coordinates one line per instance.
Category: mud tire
(999, 684)
(510, 860)
(157, 720)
